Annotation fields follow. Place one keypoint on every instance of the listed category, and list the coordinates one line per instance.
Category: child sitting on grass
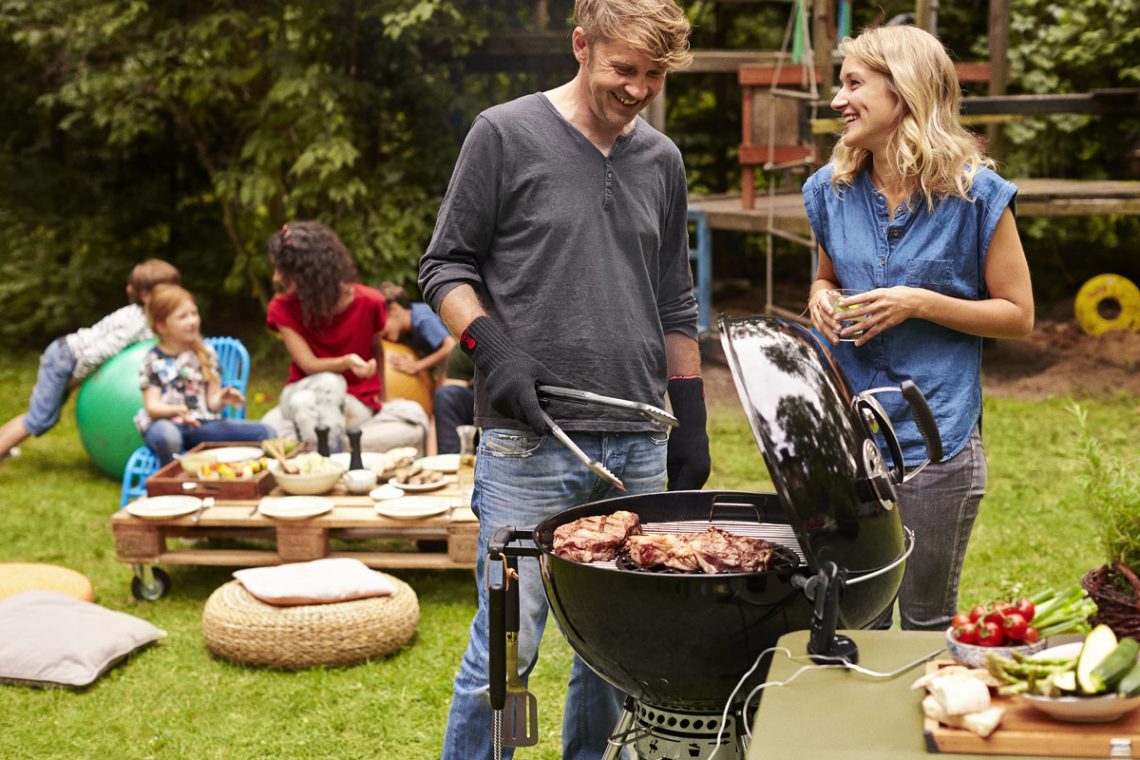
(67, 362)
(182, 390)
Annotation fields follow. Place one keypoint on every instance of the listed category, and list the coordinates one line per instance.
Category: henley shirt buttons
(896, 232)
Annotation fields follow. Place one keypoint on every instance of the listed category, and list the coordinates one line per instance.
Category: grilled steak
(661, 550)
(713, 551)
(598, 538)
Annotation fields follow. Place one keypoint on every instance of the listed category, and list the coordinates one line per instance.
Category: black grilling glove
(511, 373)
(687, 462)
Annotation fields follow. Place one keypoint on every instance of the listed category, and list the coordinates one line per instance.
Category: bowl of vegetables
(1091, 681)
(1002, 628)
(307, 474)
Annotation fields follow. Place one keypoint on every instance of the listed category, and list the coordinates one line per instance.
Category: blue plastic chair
(233, 362)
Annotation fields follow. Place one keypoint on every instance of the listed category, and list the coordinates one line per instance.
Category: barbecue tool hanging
(651, 413)
(520, 708)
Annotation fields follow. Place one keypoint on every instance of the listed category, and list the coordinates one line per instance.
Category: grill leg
(623, 733)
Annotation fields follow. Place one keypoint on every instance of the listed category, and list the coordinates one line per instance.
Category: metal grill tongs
(651, 413)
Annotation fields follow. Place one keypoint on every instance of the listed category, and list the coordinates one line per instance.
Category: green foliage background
(191, 130)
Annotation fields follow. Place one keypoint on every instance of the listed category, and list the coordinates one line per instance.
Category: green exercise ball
(106, 406)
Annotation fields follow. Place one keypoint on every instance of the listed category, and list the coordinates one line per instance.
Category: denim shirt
(943, 250)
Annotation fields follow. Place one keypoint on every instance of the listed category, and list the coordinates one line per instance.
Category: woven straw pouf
(241, 628)
(16, 577)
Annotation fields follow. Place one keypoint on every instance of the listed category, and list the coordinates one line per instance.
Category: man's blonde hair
(931, 150)
(658, 28)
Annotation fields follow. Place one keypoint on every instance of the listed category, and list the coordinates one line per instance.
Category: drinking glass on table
(465, 475)
(836, 297)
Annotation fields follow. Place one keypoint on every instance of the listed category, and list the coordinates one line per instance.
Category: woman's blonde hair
(932, 151)
(165, 299)
(658, 28)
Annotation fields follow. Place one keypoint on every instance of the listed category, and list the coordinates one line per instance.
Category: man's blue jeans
(521, 479)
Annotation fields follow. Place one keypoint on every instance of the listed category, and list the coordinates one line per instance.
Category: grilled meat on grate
(712, 551)
(597, 538)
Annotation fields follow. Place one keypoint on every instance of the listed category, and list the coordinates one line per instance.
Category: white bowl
(308, 485)
(360, 481)
(974, 656)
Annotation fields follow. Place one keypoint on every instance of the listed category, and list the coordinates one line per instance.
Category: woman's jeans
(940, 505)
(520, 480)
(166, 439)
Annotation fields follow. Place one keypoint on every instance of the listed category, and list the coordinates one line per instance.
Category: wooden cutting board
(1024, 730)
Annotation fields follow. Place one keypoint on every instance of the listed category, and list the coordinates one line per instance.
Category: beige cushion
(48, 638)
(321, 581)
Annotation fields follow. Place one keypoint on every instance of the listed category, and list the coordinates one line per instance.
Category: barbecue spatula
(520, 708)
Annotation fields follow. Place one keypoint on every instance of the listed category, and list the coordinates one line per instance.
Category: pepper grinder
(322, 432)
(355, 461)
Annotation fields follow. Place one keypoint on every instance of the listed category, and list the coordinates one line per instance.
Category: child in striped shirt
(70, 359)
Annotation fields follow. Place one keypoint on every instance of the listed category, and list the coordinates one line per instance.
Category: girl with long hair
(182, 391)
(911, 216)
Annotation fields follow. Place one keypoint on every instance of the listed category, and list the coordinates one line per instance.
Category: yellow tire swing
(1108, 302)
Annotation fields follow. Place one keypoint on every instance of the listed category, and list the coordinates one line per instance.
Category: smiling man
(560, 256)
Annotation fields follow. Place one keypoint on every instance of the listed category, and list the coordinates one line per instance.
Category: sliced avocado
(1098, 645)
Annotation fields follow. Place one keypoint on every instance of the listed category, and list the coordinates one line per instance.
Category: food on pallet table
(280, 446)
(598, 537)
(388, 462)
(311, 463)
(415, 475)
(232, 470)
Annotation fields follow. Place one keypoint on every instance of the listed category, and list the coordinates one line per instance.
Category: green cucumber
(1119, 661)
(1129, 686)
(1098, 645)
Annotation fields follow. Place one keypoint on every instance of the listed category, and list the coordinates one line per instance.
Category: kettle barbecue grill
(679, 643)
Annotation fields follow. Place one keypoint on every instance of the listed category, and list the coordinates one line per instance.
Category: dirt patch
(1056, 360)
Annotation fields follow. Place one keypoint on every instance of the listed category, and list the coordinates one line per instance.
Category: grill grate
(774, 533)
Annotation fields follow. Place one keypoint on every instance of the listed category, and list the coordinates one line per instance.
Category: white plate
(385, 492)
(1100, 709)
(413, 508)
(440, 462)
(294, 507)
(235, 453)
(164, 506)
(418, 487)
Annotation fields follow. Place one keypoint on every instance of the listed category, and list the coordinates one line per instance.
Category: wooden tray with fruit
(221, 470)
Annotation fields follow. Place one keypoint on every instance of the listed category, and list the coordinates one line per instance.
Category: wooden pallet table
(142, 542)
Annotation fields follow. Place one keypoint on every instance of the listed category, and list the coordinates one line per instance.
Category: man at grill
(560, 257)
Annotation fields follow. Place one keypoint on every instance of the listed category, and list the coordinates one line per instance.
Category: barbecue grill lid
(819, 450)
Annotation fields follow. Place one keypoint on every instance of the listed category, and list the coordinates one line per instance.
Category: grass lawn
(174, 700)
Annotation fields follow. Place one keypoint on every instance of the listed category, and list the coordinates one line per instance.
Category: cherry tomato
(961, 619)
(1031, 634)
(1013, 627)
(1025, 608)
(990, 635)
(978, 613)
(995, 615)
(966, 633)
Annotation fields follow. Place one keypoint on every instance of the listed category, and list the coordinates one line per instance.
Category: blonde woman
(909, 214)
